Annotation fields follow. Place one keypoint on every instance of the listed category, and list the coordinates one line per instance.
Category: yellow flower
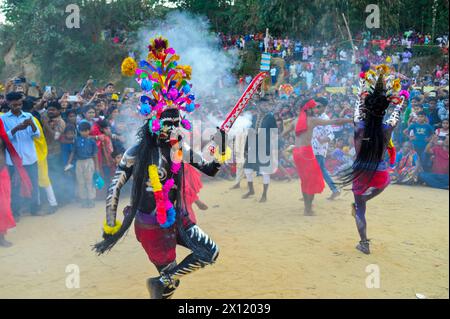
(111, 230)
(154, 178)
(222, 158)
(383, 68)
(187, 71)
(396, 86)
(129, 66)
(370, 74)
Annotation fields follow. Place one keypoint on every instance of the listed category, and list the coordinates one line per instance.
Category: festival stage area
(267, 250)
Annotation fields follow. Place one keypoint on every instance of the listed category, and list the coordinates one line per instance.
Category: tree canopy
(69, 56)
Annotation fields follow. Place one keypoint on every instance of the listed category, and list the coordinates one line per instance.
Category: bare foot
(235, 186)
(201, 205)
(263, 199)
(247, 195)
(4, 242)
(334, 195)
(309, 213)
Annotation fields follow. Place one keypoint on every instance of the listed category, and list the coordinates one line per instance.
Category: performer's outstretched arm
(222, 154)
(321, 122)
(197, 161)
(121, 177)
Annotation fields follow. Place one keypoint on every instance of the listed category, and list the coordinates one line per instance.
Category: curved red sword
(243, 101)
(240, 105)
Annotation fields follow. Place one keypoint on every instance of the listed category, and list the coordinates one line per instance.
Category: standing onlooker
(273, 74)
(322, 135)
(85, 152)
(22, 129)
(406, 56)
(420, 134)
(6, 216)
(54, 127)
(69, 182)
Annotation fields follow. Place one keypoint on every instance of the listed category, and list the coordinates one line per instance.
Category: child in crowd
(442, 132)
(67, 141)
(85, 153)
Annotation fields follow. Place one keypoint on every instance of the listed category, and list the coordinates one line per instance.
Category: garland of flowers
(165, 212)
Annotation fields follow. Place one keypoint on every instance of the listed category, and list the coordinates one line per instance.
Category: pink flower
(156, 126)
(186, 124)
(362, 75)
(404, 93)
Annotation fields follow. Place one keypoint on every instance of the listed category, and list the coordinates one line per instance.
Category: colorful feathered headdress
(163, 81)
(381, 79)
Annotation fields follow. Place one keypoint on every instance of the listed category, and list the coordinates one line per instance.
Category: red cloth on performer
(192, 186)
(379, 180)
(6, 216)
(159, 243)
(308, 170)
(25, 185)
(302, 123)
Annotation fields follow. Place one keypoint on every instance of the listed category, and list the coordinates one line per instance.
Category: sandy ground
(267, 250)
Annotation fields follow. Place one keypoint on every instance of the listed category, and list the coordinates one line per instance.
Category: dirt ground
(268, 250)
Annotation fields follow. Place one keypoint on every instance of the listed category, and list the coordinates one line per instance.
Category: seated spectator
(407, 166)
(438, 178)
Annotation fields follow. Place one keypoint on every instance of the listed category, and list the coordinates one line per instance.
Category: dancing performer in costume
(6, 216)
(263, 122)
(157, 163)
(308, 168)
(370, 172)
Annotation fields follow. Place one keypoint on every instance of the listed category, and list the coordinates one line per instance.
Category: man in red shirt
(438, 178)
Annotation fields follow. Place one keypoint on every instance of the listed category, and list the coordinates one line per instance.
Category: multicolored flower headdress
(380, 78)
(164, 83)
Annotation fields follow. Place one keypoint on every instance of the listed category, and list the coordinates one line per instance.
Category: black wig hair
(372, 136)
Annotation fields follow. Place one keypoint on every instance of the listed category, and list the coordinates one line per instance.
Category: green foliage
(426, 50)
(250, 60)
(66, 56)
(70, 56)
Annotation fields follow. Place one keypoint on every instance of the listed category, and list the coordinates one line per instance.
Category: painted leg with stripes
(205, 252)
(157, 289)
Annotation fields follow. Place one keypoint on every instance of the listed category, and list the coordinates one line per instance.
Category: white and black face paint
(169, 125)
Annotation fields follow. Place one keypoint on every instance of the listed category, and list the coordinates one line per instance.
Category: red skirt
(308, 170)
(159, 243)
(364, 182)
(6, 216)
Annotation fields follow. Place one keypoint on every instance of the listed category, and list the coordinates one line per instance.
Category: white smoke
(197, 46)
(213, 82)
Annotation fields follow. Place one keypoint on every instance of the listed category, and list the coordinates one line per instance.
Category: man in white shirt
(322, 135)
(273, 74)
(415, 70)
